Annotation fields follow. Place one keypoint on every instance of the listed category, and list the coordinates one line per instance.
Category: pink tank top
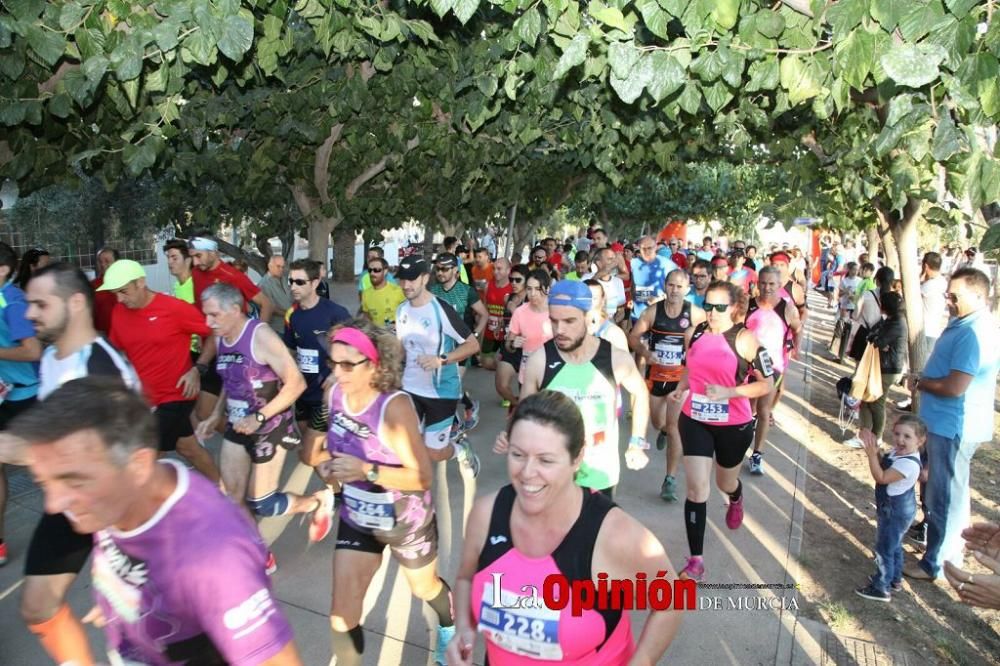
(771, 330)
(521, 630)
(712, 359)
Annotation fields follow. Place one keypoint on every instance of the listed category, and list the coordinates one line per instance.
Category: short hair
(69, 280)
(582, 255)
(850, 264)
(543, 277)
(678, 271)
(29, 260)
(177, 244)
(115, 253)
(389, 371)
(103, 404)
(721, 285)
(892, 304)
(867, 266)
(555, 410)
(702, 263)
(8, 258)
(310, 267)
(449, 241)
(933, 261)
(377, 249)
(539, 247)
(769, 270)
(273, 257)
(520, 269)
(751, 247)
(974, 279)
(226, 295)
(600, 230)
(706, 238)
(378, 260)
(481, 250)
(603, 250)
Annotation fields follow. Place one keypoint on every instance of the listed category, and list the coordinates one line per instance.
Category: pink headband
(358, 340)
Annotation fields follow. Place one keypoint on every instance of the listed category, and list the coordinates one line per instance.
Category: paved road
(399, 629)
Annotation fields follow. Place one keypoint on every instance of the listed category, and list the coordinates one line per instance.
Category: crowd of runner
(103, 379)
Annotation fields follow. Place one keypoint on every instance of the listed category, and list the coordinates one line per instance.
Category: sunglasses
(718, 307)
(517, 280)
(442, 269)
(297, 282)
(375, 270)
(347, 366)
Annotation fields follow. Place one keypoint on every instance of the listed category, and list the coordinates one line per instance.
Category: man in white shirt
(933, 286)
(606, 264)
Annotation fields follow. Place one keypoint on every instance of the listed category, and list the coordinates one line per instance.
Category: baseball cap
(411, 267)
(446, 259)
(573, 293)
(618, 247)
(121, 273)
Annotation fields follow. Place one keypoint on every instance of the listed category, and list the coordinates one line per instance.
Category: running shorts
(56, 548)
(413, 549)
(492, 346)
(315, 414)
(660, 389)
(511, 357)
(173, 422)
(728, 444)
(211, 382)
(261, 448)
(436, 418)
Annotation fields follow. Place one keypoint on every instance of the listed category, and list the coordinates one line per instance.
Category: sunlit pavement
(746, 624)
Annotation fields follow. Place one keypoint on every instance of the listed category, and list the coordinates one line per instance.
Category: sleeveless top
(666, 342)
(249, 384)
(770, 327)
(712, 359)
(593, 388)
(369, 506)
(519, 632)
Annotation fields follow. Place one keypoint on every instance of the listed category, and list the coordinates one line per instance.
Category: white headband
(204, 244)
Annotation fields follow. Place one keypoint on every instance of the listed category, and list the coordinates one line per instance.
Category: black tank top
(574, 554)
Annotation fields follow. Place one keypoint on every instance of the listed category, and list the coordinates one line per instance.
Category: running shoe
(467, 457)
(457, 432)
(321, 521)
(918, 534)
(661, 441)
(756, 464)
(854, 443)
(694, 569)
(272, 564)
(472, 416)
(905, 405)
(896, 585)
(734, 514)
(668, 491)
(3, 554)
(445, 634)
(869, 592)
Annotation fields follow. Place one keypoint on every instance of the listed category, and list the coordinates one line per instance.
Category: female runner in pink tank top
(544, 524)
(716, 422)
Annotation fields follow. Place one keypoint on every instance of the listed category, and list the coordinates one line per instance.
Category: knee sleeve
(275, 504)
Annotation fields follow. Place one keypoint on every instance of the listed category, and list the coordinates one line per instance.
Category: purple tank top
(249, 384)
(370, 506)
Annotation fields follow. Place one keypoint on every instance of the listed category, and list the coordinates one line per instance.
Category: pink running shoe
(694, 569)
(734, 514)
(272, 564)
(322, 518)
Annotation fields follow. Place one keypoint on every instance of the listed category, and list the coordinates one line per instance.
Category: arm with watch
(270, 350)
(468, 348)
(627, 375)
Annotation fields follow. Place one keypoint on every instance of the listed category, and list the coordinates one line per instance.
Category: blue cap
(573, 293)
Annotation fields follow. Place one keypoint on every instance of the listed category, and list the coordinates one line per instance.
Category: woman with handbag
(869, 312)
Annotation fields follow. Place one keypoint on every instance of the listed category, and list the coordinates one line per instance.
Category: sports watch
(260, 417)
(372, 474)
(444, 359)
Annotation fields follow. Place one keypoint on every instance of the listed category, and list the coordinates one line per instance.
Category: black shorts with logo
(316, 415)
(173, 421)
(262, 447)
(660, 389)
(211, 382)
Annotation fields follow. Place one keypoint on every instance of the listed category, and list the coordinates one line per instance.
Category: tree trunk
(888, 242)
(318, 231)
(904, 231)
(254, 261)
(522, 235)
(871, 243)
(509, 240)
(343, 253)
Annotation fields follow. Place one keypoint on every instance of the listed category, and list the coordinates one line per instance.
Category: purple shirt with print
(189, 584)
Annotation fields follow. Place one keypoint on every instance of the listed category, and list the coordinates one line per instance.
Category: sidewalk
(744, 626)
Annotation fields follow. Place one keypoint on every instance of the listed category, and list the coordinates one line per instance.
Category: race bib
(643, 294)
(308, 360)
(237, 409)
(493, 323)
(709, 411)
(516, 625)
(373, 511)
(669, 351)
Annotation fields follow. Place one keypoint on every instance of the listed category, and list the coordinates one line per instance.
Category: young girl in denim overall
(896, 473)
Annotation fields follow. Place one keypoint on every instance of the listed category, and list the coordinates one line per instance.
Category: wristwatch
(260, 417)
(372, 474)
(444, 359)
(638, 442)
(202, 368)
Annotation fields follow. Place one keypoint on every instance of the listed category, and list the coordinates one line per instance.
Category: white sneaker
(854, 443)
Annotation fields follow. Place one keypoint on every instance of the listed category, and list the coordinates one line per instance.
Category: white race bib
(709, 411)
(308, 360)
(519, 627)
(237, 409)
(669, 351)
(373, 511)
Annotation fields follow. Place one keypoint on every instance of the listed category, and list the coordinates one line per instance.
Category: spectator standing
(104, 301)
(275, 287)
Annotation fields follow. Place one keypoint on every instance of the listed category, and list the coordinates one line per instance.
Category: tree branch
(321, 165)
(375, 169)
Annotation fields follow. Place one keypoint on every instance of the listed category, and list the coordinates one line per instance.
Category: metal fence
(77, 251)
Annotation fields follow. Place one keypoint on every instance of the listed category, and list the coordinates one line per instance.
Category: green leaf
(798, 80)
(899, 106)
(5, 37)
(989, 97)
(25, 10)
(48, 45)
(718, 95)
(94, 68)
(156, 81)
(690, 99)
(725, 13)
(200, 48)
(70, 16)
(168, 110)
(441, 7)
(913, 65)
(573, 55)
(764, 75)
(12, 113)
(844, 15)
(236, 38)
(947, 139)
(60, 106)
(609, 16)
(464, 9)
(78, 86)
(955, 37)
(855, 56)
(528, 26)
(668, 75)
(630, 87)
(888, 12)
(991, 239)
(138, 158)
(770, 23)
(127, 60)
(919, 20)
(165, 34)
(622, 56)
(655, 19)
